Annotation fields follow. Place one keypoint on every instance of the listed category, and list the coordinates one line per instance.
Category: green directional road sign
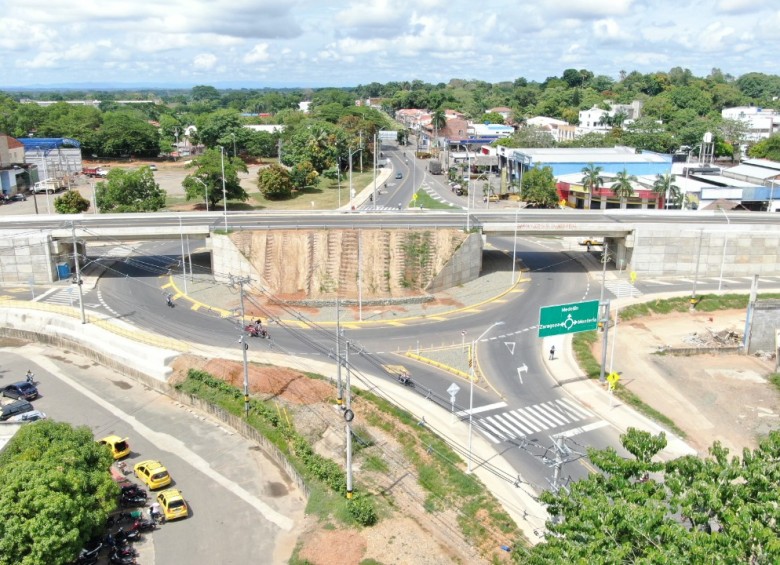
(568, 318)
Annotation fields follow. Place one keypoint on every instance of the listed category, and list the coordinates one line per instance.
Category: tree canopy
(129, 191)
(208, 177)
(71, 203)
(55, 493)
(538, 188)
(717, 509)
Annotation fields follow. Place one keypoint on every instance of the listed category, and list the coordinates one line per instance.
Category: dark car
(16, 407)
(399, 175)
(22, 389)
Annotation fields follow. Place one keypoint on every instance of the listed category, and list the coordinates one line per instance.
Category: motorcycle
(132, 501)
(118, 558)
(123, 517)
(254, 331)
(405, 380)
(89, 556)
(126, 536)
(143, 526)
(133, 490)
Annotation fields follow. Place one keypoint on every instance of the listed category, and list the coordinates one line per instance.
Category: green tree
(208, 172)
(303, 175)
(438, 121)
(129, 191)
(125, 134)
(622, 186)
(71, 203)
(664, 187)
(492, 118)
(218, 126)
(320, 143)
(274, 182)
(689, 510)
(55, 493)
(538, 188)
(767, 148)
(591, 177)
(528, 136)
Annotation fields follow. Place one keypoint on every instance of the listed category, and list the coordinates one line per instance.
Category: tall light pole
(233, 135)
(351, 190)
(201, 181)
(514, 245)
(468, 189)
(472, 362)
(224, 191)
(725, 240)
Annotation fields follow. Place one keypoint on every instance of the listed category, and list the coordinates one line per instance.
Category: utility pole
(348, 417)
(224, 192)
(78, 272)
(604, 310)
(340, 388)
(376, 156)
(241, 281)
(183, 256)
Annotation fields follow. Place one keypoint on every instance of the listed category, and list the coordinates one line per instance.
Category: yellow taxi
(172, 504)
(118, 446)
(152, 473)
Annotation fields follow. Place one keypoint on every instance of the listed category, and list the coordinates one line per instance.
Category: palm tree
(664, 186)
(438, 121)
(591, 179)
(622, 186)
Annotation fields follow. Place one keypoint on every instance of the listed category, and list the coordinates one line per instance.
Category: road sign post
(568, 318)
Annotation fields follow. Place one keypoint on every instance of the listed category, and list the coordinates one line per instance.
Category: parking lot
(241, 505)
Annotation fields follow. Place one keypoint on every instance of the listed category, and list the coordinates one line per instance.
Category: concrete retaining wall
(764, 323)
(28, 258)
(464, 265)
(739, 250)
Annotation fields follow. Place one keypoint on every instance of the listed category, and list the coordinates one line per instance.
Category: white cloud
(608, 28)
(258, 54)
(590, 9)
(204, 62)
(741, 6)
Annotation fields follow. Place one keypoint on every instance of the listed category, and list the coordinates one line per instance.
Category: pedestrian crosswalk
(530, 420)
(66, 296)
(622, 289)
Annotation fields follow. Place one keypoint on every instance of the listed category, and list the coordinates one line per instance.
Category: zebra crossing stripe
(554, 413)
(578, 412)
(532, 420)
(488, 435)
(502, 430)
(519, 423)
(542, 416)
(484, 423)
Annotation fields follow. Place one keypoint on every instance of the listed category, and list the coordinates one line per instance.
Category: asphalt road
(241, 505)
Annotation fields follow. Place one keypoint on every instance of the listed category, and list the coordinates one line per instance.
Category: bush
(361, 509)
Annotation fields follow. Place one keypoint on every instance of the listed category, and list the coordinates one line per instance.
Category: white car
(33, 416)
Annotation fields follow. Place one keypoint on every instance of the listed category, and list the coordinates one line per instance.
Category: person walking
(552, 353)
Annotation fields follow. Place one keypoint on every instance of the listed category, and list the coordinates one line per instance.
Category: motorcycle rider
(30, 377)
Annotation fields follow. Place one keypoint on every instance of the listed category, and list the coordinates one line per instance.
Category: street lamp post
(514, 245)
(471, 386)
(233, 135)
(351, 190)
(725, 241)
(224, 190)
(205, 186)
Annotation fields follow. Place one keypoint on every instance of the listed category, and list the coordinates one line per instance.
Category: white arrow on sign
(520, 370)
(453, 389)
(510, 345)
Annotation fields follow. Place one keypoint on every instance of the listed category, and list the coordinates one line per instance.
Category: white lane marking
(576, 411)
(581, 430)
(518, 423)
(479, 409)
(175, 446)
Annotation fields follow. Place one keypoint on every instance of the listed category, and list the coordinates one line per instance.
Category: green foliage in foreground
(296, 448)
(688, 510)
(55, 493)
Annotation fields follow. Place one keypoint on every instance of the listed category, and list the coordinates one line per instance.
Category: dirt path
(710, 397)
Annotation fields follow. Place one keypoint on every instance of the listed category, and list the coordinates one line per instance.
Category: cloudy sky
(345, 43)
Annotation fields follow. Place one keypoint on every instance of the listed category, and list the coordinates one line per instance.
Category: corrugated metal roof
(766, 163)
(751, 171)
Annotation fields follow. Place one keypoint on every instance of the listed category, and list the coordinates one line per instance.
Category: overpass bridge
(653, 243)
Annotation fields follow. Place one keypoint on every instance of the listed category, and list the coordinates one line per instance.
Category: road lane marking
(480, 409)
(173, 445)
(582, 429)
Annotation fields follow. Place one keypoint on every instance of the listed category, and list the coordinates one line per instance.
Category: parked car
(15, 408)
(22, 389)
(118, 446)
(33, 416)
(152, 473)
(172, 503)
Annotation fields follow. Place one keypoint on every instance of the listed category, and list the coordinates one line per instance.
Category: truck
(51, 186)
(434, 167)
(94, 172)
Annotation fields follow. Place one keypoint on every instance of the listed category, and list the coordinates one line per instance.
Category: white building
(761, 122)
(268, 128)
(559, 129)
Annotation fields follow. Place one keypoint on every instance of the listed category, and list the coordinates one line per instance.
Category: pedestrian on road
(169, 300)
(552, 353)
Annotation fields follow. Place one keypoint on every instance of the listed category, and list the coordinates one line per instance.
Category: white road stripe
(581, 430)
(556, 413)
(532, 419)
(521, 424)
(483, 423)
(508, 433)
(543, 415)
(573, 406)
(479, 409)
(488, 435)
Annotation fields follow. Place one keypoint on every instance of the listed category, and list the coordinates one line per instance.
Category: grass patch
(376, 464)
(581, 344)
(706, 303)
(774, 378)
(323, 196)
(424, 199)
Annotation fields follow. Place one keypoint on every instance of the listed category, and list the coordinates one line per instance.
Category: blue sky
(344, 43)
